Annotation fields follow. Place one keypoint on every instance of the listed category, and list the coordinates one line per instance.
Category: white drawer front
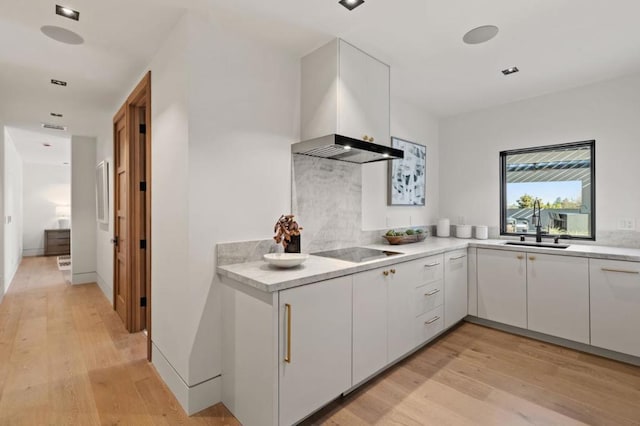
(428, 297)
(429, 324)
(428, 270)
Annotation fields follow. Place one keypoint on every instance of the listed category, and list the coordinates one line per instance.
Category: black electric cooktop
(356, 254)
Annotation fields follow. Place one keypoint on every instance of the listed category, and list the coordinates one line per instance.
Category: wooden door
(121, 278)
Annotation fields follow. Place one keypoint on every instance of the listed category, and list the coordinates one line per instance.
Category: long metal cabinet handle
(431, 265)
(432, 320)
(432, 292)
(287, 357)
(622, 271)
(459, 257)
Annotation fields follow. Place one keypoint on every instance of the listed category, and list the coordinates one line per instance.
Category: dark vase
(294, 245)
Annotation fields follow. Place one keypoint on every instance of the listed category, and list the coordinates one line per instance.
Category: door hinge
(143, 244)
(143, 129)
(143, 186)
(143, 302)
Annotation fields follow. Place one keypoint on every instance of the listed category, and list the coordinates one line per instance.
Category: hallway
(65, 358)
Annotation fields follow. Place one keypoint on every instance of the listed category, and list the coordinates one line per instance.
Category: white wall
(3, 135)
(12, 179)
(607, 112)
(45, 187)
(414, 124)
(104, 231)
(83, 209)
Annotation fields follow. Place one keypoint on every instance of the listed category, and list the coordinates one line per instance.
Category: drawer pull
(432, 320)
(385, 273)
(393, 271)
(431, 265)
(532, 258)
(432, 292)
(459, 257)
(520, 257)
(622, 271)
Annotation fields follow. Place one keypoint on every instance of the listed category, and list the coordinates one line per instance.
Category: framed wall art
(407, 177)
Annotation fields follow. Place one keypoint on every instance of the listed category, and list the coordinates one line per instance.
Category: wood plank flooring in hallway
(65, 358)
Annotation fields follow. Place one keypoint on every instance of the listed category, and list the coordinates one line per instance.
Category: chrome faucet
(537, 220)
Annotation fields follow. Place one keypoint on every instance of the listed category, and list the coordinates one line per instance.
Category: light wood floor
(477, 375)
(66, 359)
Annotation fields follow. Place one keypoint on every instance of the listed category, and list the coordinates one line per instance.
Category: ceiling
(556, 44)
(30, 146)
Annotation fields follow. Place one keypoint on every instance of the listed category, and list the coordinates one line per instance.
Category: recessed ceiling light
(55, 114)
(510, 70)
(347, 147)
(62, 35)
(53, 126)
(480, 35)
(58, 82)
(67, 12)
(48, 145)
(351, 4)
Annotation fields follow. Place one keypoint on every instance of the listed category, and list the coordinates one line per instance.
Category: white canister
(443, 228)
(482, 232)
(463, 231)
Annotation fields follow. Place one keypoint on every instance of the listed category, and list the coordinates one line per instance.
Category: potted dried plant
(288, 233)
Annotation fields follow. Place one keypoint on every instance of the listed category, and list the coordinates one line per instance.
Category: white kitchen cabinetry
(370, 313)
(455, 287)
(314, 346)
(558, 296)
(401, 309)
(345, 91)
(502, 286)
(615, 305)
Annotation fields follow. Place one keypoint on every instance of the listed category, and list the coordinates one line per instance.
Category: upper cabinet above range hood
(345, 95)
(343, 148)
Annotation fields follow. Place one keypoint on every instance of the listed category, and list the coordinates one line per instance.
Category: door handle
(114, 241)
(287, 357)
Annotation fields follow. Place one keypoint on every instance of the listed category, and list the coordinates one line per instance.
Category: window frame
(591, 144)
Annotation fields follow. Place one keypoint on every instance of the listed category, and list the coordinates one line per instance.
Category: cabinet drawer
(427, 270)
(428, 297)
(52, 235)
(429, 324)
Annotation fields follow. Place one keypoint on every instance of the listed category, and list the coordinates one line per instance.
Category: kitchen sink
(534, 244)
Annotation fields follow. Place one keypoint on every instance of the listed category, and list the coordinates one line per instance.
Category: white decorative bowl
(285, 260)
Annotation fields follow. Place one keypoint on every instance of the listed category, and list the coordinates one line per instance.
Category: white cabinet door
(615, 305)
(455, 287)
(370, 322)
(402, 310)
(502, 286)
(363, 105)
(558, 296)
(314, 346)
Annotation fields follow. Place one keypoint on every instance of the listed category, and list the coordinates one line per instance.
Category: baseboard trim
(84, 278)
(106, 288)
(33, 252)
(12, 274)
(193, 399)
(582, 347)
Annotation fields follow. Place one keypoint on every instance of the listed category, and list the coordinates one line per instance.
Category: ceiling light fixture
(351, 4)
(480, 34)
(510, 70)
(67, 12)
(55, 114)
(58, 82)
(53, 126)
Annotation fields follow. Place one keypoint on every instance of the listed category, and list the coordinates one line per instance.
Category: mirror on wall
(559, 180)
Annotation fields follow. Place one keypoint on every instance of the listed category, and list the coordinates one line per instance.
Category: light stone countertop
(264, 277)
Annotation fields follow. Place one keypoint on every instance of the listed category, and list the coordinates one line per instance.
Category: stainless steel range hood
(343, 148)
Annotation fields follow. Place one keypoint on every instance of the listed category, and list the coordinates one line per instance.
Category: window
(561, 178)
